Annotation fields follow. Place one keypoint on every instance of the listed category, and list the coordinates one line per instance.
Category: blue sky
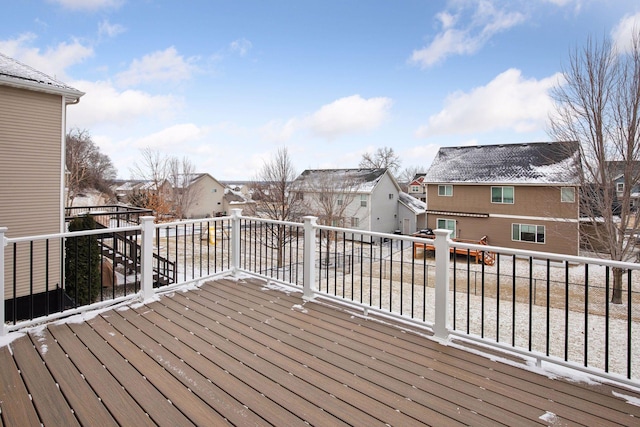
(227, 83)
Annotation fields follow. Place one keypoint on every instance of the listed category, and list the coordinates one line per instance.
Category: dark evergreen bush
(82, 263)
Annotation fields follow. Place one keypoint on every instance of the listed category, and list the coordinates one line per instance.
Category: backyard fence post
(146, 270)
(441, 318)
(235, 240)
(3, 243)
(309, 260)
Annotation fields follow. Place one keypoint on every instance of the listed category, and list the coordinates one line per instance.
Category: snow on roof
(359, 180)
(15, 73)
(531, 163)
(417, 206)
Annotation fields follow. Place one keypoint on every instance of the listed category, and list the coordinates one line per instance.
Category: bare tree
(87, 167)
(332, 196)
(598, 105)
(383, 158)
(181, 175)
(408, 174)
(276, 199)
(153, 169)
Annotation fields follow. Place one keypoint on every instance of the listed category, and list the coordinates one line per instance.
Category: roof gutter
(71, 96)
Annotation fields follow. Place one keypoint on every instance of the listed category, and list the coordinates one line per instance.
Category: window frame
(445, 187)
(447, 221)
(535, 233)
(563, 193)
(502, 197)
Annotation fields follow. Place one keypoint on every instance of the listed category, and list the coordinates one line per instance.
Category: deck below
(243, 353)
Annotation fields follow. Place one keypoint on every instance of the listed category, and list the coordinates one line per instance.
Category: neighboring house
(237, 199)
(364, 199)
(416, 187)
(199, 195)
(616, 170)
(33, 109)
(518, 195)
(412, 214)
(202, 195)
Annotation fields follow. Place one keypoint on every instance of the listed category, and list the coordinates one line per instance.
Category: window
(447, 224)
(527, 233)
(445, 190)
(355, 222)
(415, 188)
(502, 195)
(339, 201)
(619, 187)
(390, 196)
(567, 194)
(363, 200)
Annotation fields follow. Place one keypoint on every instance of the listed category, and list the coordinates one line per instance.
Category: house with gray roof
(33, 109)
(523, 196)
(364, 199)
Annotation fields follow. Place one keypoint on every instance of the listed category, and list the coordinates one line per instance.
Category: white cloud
(176, 136)
(277, 131)
(53, 61)
(89, 5)
(348, 115)
(507, 102)
(105, 28)
(622, 34)
(241, 46)
(484, 22)
(159, 66)
(103, 104)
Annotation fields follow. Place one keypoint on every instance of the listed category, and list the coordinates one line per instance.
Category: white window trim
(530, 225)
(573, 195)
(445, 186)
(502, 198)
(455, 226)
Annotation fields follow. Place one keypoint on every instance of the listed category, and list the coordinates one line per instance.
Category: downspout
(63, 167)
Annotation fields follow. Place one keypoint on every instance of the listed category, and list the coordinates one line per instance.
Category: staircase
(124, 250)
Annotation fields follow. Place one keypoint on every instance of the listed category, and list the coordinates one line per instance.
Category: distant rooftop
(359, 180)
(530, 163)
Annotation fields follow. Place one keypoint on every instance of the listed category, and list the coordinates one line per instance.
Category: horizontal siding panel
(31, 129)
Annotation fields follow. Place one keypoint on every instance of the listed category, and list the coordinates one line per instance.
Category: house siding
(31, 129)
(208, 201)
(384, 210)
(533, 205)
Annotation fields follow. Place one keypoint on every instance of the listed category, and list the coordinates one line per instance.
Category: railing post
(441, 318)
(235, 240)
(3, 243)
(309, 259)
(146, 268)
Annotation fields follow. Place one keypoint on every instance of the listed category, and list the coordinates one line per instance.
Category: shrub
(82, 263)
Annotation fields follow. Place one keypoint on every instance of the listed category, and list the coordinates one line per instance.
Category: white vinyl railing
(547, 307)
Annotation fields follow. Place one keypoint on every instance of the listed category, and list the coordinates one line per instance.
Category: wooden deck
(234, 352)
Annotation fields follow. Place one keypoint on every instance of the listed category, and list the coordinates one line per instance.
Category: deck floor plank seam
(388, 366)
(249, 351)
(561, 392)
(73, 386)
(574, 405)
(236, 345)
(119, 402)
(213, 348)
(52, 407)
(214, 377)
(299, 361)
(156, 405)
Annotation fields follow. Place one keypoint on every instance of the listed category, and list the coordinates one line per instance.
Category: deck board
(240, 353)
